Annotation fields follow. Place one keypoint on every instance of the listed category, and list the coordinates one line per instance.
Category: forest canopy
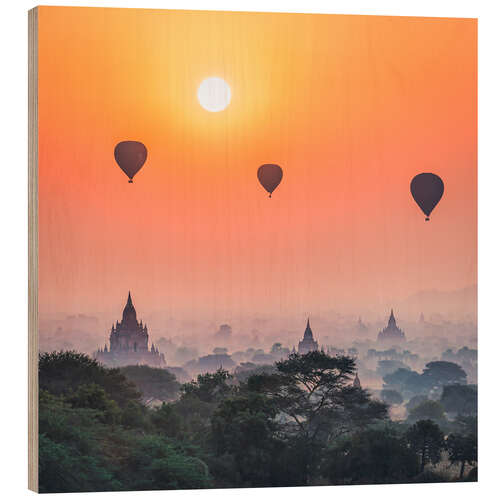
(301, 422)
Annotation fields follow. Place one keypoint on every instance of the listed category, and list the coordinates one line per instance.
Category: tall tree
(462, 449)
(443, 373)
(427, 410)
(314, 394)
(244, 427)
(370, 457)
(405, 381)
(198, 400)
(460, 399)
(153, 383)
(63, 372)
(427, 440)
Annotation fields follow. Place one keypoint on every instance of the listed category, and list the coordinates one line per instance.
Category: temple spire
(391, 332)
(129, 314)
(308, 332)
(356, 382)
(392, 319)
(308, 343)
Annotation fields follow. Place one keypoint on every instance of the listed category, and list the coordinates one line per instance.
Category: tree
(427, 440)
(93, 396)
(315, 394)
(460, 399)
(63, 372)
(155, 463)
(466, 424)
(79, 450)
(404, 380)
(211, 363)
(462, 444)
(415, 401)
(167, 420)
(244, 427)
(209, 387)
(198, 400)
(246, 370)
(153, 383)
(427, 410)
(68, 458)
(440, 373)
(370, 457)
(134, 415)
(462, 449)
(391, 397)
(387, 366)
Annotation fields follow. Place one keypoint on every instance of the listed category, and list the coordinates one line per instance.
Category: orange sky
(352, 107)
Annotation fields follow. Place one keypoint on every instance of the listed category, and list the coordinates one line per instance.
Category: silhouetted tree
(405, 381)
(460, 399)
(427, 440)
(63, 372)
(442, 373)
(427, 410)
(415, 401)
(94, 396)
(387, 366)
(462, 449)
(198, 400)
(370, 457)
(153, 383)
(315, 393)
(244, 427)
(167, 420)
(209, 387)
(391, 397)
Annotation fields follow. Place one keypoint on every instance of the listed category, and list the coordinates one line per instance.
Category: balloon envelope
(427, 189)
(130, 156)
(270, 176)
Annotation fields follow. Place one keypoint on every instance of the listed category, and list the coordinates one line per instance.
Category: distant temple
(223, 333)
(391, 333)
(128, 343)
(356, 382)
(307, 344)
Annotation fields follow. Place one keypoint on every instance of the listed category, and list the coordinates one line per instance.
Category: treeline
(302, 423)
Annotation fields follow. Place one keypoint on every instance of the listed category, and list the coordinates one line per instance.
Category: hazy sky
(351, 107)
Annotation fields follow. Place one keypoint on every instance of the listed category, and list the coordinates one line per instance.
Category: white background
(13, 243)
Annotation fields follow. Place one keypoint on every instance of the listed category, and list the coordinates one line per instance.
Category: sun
(214, 94)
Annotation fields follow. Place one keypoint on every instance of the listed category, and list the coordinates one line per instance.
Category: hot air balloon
(130, 156)
(270, 176)
(427, 189)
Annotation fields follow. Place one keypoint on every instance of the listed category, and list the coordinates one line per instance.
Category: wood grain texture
(33, 249)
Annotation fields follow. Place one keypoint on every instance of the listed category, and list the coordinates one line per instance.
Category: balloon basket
(427, 218)
(130, 181)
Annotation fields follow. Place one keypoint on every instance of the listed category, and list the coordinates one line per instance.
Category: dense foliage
(299, 422)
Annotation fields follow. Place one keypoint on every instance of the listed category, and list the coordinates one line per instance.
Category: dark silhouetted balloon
(270, 176)
(427, 189)
(130, 156)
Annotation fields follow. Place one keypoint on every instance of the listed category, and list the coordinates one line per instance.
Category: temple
(391, 333)
(128, 343)
(307, 344)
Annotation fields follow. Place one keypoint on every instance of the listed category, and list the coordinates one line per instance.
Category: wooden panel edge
(33, 249)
